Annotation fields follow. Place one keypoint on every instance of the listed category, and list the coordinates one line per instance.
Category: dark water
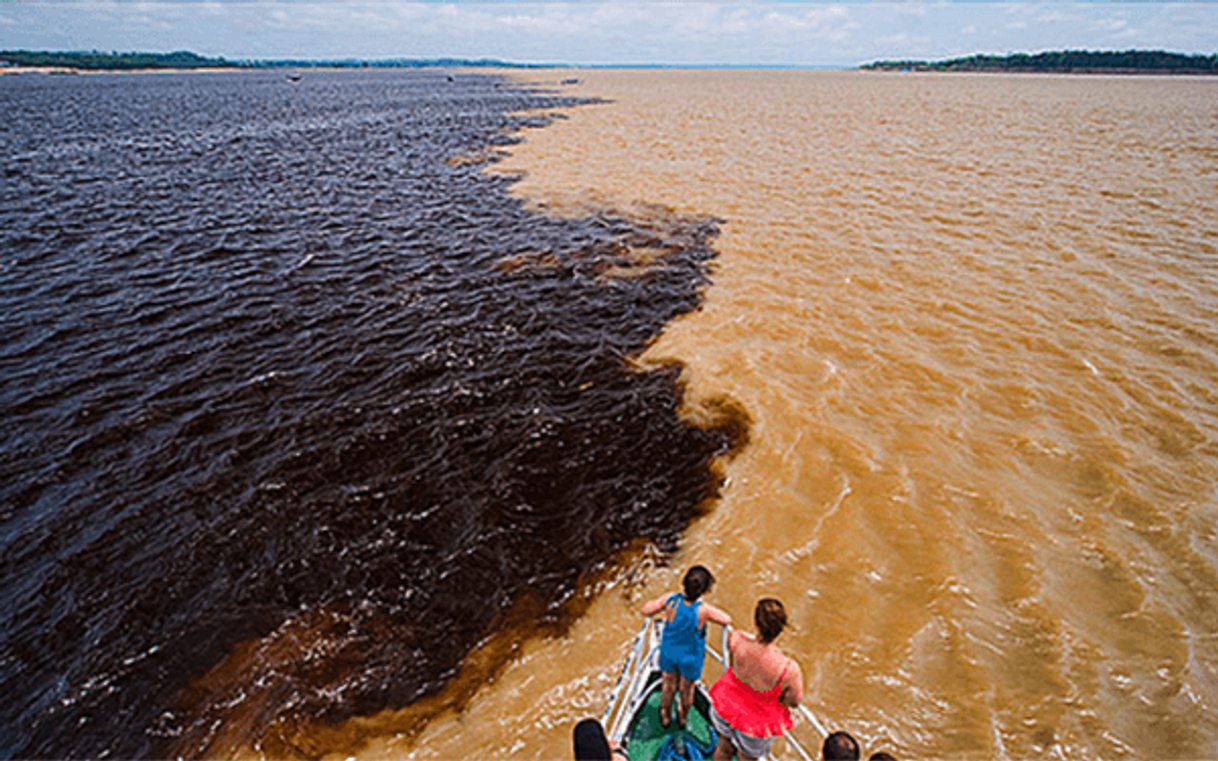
(274, 351)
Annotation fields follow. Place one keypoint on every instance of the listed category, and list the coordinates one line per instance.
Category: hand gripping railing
(643, 657)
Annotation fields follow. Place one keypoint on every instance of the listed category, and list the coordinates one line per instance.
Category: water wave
(280, 366)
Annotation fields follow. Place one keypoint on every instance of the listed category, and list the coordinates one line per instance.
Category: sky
(706, 33)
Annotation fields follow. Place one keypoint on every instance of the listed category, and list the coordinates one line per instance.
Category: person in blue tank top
(683, 644)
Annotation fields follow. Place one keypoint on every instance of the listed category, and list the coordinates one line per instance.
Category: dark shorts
(685, 665)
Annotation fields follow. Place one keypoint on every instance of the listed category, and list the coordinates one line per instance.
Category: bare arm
(733, 640)
(793, 689)
(711, 613)
(652, 607)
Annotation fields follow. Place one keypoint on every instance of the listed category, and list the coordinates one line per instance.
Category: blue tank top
(683, 642)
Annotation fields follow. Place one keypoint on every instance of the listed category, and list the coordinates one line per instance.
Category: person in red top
(751, 703)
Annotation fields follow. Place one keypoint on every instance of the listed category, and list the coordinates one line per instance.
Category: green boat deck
(647, 739)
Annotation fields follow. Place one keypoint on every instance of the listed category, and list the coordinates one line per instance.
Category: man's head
(840, 746)
(590, 741)
(697, 581)
(770, 618)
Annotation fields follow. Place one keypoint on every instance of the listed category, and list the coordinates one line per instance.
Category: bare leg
(687, 701)
(724, 750)
(668, 684)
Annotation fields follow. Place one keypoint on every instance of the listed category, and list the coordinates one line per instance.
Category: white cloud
(1112, 25)
(911, 9)
(902, 42)
(1053, 16)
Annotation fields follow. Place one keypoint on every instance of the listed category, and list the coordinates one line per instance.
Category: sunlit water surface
(332, 378)
(301, 405)
(973, 320)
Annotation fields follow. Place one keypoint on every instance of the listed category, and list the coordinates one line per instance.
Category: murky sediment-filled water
(300, 405)
(973, 320)
(324, 437)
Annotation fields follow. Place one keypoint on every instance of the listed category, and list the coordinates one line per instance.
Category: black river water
(275, 350)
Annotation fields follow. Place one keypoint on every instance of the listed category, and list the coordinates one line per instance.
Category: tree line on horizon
(184, 60)
(1154, 61)
(97, 60)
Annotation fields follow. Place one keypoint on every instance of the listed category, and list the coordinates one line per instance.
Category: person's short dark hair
(882, 755)
(590, 741)
(697, 581)
(770, 618)
(840, 746)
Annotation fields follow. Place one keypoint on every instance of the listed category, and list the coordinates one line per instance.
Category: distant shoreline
(64, 70)
(95, 61)
(1129, 62)
(17, 71)
(1079, 71)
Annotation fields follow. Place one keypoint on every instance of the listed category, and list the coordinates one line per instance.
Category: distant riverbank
(65, 71)
(52, 62)
(1065, 62)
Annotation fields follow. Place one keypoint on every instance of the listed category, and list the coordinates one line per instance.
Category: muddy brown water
(972, 319)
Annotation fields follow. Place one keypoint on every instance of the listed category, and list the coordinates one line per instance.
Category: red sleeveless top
(757, 714)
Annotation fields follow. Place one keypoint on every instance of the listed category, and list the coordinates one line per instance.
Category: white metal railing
(643, 658)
